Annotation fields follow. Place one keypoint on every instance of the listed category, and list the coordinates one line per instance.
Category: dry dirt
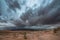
(30, 35)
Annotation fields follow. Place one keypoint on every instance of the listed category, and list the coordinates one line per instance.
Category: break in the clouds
(13, 9)
(30, 12)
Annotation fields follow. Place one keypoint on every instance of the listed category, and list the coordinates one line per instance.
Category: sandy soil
(30, 35)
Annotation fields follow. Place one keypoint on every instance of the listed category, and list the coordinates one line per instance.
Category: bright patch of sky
(25, 6)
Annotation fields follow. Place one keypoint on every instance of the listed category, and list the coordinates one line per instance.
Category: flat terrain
(30, 35)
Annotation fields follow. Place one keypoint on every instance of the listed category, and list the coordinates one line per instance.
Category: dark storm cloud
(30, 12)
(50, 14)
(13, 4)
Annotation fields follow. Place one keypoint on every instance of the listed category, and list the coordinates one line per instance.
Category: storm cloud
(30, 12)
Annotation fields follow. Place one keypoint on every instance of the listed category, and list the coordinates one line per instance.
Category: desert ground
(53, 34)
